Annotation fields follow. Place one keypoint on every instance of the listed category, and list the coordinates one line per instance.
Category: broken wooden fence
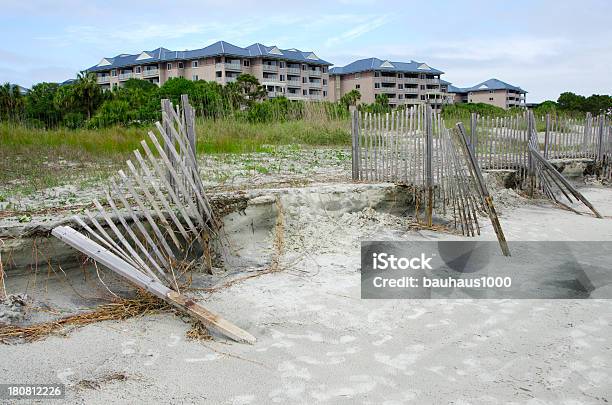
(156, 220)
(503, 142)
(414, 147)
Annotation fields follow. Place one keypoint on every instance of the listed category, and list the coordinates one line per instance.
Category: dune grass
(32, 159)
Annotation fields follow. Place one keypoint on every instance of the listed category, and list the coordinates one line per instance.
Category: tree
(247, 88)
(351, 98)
(570, 101)
(40, 104)
(11, 101)
(87, 93)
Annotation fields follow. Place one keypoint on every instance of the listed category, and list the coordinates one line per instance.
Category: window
(246, 62)
(377, 85)
(281, 65)
(324, 82)
(358, 86)
(304, 92)
(219, 74)
(113, 72)
(376, 74)
(303, 67)
(194, 63)
(422, 97)
(400, 75)
(400, 86)
(490, 98)
(422, 87)
(401, 96)
(324, 93)
(180, 65)
(303, 80)
(217, 60)
(282, 78)
(194, 78)
(169, 66)
(138, 69)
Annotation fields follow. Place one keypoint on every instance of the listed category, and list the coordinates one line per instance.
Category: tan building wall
(294, 80)
(401, 88)
(499, 98)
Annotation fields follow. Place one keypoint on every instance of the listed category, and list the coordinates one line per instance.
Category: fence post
(428, 165)
(600, 138)
(547, 136)
(473, 136)
(531, 166)
(354, 150)
(587, 131)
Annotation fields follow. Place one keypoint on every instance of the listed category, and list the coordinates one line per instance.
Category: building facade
(404, 83)
(492, 91)
(283, 72)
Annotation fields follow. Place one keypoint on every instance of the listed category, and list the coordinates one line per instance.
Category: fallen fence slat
(152, 285)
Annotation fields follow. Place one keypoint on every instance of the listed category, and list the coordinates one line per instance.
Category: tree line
(82, 103)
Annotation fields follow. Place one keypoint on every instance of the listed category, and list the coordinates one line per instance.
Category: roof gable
(105, 62)
(275, 51)
(387, 64)
(144, 56)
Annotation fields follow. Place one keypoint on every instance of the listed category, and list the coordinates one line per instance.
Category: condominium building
(492, 91)
(404, 83)
(287, 72)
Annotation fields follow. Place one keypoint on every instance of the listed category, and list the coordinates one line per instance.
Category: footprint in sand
(127, 350)
(174, 339)
(64, 374)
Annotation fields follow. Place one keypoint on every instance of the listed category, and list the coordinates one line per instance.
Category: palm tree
(11, 100)
(87, 93)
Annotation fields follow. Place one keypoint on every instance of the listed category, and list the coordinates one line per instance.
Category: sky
(545, 47)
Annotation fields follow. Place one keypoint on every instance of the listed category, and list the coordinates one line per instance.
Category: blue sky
(546, 47)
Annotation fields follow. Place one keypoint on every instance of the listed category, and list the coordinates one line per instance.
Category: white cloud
(357, 31)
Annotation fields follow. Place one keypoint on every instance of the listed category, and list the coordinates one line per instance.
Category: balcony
(150, 72)
(125, 76)
(272, 94)
(387, 79)
(413, 90)
(103, 79)
(270, 68)
(270, 79)
(315, 73)
(293, 71)
(315, 85)
(410, 80)
(315, 97)
(294, 83)
(228, 66)
(432, 81)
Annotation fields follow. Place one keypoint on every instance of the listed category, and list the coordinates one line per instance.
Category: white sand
(318, 342)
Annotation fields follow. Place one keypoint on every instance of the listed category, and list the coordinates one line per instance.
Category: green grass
(232, 136)
(33, 159)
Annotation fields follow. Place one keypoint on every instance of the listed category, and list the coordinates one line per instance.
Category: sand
(318, 342)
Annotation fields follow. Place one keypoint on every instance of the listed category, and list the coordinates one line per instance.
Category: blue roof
(220, 48)
(364, 65)
(491, 84)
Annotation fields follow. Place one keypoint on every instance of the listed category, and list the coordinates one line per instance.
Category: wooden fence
(392, 146)
(414, 147)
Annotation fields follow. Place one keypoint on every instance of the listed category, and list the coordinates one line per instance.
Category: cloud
(357, 31)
